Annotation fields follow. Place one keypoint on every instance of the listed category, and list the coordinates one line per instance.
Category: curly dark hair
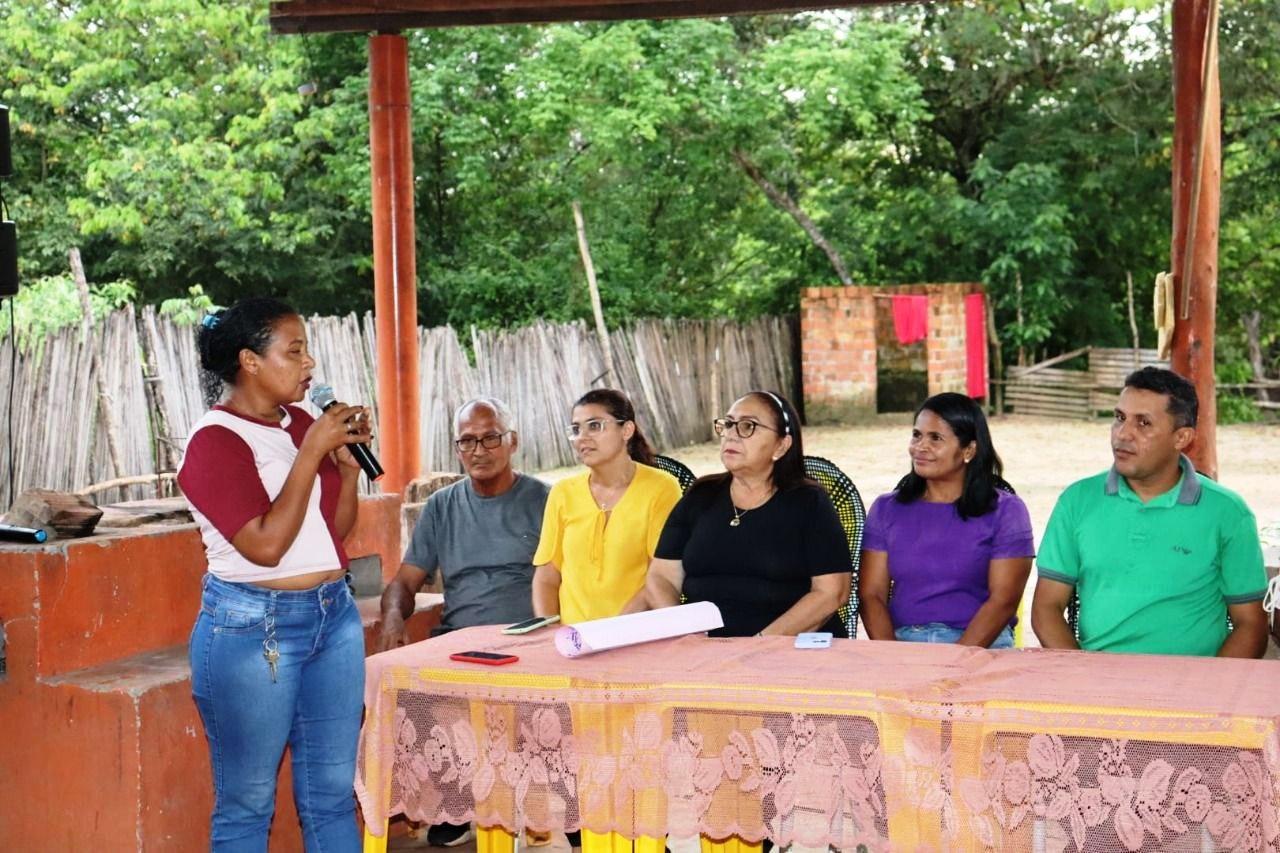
(249, 325)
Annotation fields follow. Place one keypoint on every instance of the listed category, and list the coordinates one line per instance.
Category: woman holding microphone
(277, 652)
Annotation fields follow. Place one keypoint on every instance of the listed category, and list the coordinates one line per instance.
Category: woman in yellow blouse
(601, 527)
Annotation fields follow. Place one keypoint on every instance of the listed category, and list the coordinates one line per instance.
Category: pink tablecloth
(889, 745)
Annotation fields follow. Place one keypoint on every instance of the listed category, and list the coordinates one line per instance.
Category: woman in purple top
(952, 543)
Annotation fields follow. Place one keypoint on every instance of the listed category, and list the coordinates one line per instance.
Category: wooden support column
(1196, 137)
(394, 259)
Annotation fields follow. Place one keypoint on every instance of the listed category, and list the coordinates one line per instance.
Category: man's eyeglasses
(595, 426)
(488, 442)
(744, 429)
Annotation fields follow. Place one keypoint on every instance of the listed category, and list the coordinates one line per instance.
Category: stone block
(366, 574)
(59, 514)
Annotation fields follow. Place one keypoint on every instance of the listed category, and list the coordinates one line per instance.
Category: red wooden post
(394, 259)
(1193, 337)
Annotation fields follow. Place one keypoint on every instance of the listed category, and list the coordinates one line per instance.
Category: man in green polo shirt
(1158, 554)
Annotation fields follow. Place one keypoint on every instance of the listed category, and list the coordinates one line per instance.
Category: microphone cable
(13, 380)
(13, 371)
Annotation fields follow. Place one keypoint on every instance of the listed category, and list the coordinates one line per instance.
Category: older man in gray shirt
(478, 533)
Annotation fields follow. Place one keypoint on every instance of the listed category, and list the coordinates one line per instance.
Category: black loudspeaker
(8, 259)
(6, 150)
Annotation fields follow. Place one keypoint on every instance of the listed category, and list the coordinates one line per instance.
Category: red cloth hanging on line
(910, 318)
(975, 345)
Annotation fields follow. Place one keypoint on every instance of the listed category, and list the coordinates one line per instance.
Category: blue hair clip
(211, 320)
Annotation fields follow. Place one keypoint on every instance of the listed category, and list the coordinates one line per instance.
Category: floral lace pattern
(1136, 804)
(809, 781)
(820, 779)
(909, 746)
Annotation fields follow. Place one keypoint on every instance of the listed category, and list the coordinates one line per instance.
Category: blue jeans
(939, 632)
(312, 702)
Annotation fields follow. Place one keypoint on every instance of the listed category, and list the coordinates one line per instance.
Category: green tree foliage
(51, 303)
(722, 164)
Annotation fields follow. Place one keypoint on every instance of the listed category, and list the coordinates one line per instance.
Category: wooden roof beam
(328, 16)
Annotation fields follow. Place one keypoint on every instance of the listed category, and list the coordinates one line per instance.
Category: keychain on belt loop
(270, 646)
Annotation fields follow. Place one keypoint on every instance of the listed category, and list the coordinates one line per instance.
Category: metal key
(270, 647)
(272, 654)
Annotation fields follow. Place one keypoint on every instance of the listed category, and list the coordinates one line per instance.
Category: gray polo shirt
(483, 548)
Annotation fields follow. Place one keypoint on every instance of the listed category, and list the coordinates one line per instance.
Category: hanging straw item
(1165, 315)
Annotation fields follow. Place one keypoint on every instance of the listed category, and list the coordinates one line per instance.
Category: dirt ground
(1041, 457)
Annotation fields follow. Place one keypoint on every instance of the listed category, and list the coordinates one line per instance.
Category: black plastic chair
(853, 516)
(1073, 615)
(676, 469)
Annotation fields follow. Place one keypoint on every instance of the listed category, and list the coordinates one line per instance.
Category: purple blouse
(938, 561)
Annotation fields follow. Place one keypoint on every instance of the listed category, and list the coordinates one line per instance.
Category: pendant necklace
(739, 513)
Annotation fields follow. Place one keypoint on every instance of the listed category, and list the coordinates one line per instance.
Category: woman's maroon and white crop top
(233, 469)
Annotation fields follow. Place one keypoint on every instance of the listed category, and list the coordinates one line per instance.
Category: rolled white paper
(599, 634)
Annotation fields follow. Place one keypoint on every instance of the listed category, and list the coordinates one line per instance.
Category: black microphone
(30, 535)
(322, 398)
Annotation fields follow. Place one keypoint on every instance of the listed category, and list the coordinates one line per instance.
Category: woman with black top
(761, 541)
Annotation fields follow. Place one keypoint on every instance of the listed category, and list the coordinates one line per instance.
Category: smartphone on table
(486, 658)
(531, 624)
(814, 640)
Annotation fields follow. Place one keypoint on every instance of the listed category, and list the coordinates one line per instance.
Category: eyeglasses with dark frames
(744, 428)
(595, 426)
(468, 444)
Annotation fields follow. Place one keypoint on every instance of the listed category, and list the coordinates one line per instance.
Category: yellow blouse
(603, 564)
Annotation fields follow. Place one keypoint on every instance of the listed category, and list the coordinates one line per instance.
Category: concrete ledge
(133, 675)
(136, 674)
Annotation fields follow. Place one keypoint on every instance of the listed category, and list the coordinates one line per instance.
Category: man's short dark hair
(1184, 405)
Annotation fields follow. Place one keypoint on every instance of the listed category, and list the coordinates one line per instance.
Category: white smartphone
(814, 640)
(531, 624)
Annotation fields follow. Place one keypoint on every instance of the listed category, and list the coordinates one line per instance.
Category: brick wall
(839, 335)
(837, 352)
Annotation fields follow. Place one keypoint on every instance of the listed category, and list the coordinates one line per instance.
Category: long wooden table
(876, 745)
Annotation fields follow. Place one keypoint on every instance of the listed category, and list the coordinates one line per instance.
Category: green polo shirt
(1157, 577)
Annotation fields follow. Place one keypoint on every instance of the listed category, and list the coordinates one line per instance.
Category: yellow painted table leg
(649, 844)
(911, 827)
(373, 843)
(494, 839)
(614, 842)
(732, 844)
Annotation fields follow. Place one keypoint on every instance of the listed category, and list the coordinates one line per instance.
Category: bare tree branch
(784, 202)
